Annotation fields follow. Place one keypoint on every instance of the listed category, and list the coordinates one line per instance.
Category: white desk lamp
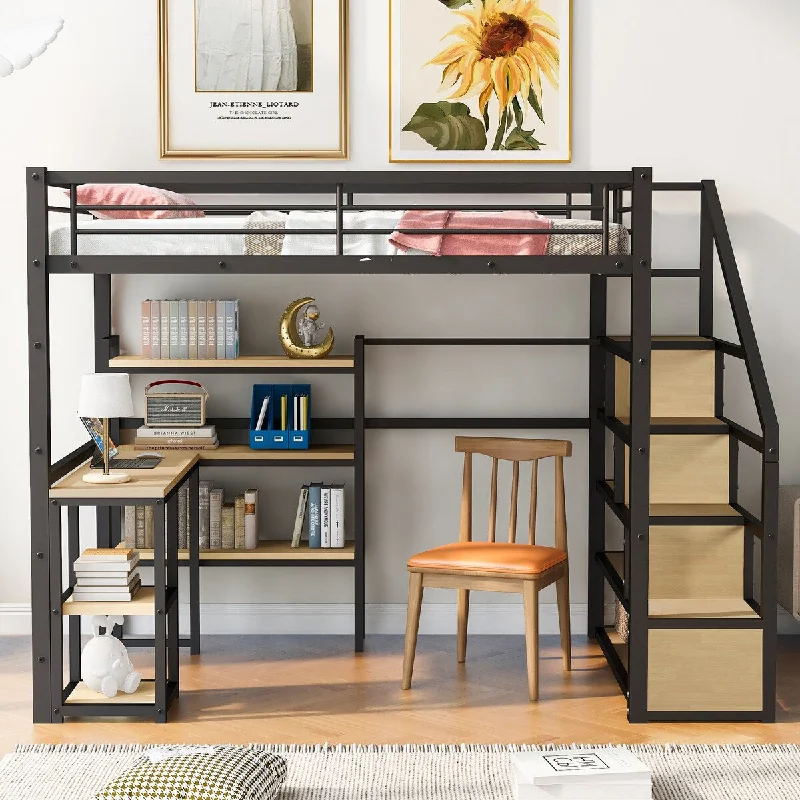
(105, 395)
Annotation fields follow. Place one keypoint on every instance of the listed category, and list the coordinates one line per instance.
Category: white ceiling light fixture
(19, 46)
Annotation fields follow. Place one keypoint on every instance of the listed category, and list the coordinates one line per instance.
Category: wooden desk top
(145, 484)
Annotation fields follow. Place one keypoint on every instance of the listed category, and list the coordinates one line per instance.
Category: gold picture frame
(439, 40)
(294, 108)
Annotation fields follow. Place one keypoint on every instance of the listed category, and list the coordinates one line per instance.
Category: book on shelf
(92, 594)
(140, 526)
(325, 517)
(113, 554)
(250, 519)
(203, 522)
(82, 566)
(188, 446)
(231, 329)
(300, 516)
(146, 336)
(155, 329)
(172, 441)
(174, 330)
(215, 518)
(238, 522)
(102, 579)
(211, 329)
(201, 328)
(600, 773)
(337, 516)
(228, 535)
(314, 519)
(183, 329)
(192, 329)
(220, 324)
(183, 504)
(165, 331)
(129, 525)
(149, 526)
(176, 431)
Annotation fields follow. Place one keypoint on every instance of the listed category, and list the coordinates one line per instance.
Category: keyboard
(127, 463)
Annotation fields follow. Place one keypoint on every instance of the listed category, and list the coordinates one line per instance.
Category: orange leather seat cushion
(500, 557)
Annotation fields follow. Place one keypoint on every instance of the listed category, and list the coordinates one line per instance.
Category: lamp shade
(105, 395)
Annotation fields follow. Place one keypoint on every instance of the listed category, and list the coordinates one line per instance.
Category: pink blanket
(478, 243)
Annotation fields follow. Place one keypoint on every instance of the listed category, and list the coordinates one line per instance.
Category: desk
(156, 487)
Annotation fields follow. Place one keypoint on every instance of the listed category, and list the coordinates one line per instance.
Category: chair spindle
(465, 531)
(512, 518)
(560, 506)
(493, 502)
(534, 491)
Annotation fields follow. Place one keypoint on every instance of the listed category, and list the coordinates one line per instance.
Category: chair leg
(412, 625)
(530, 600)
(463, 616)
(562, 593)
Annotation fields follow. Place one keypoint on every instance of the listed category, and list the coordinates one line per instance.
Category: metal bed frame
(624, 197)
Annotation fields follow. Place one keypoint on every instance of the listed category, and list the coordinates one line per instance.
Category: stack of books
(600, 774)
(190, 329)
(107, 574)
(323, 504)
(176, 437)
(138, 523)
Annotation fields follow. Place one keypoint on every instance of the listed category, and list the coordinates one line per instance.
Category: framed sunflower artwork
(480, 81)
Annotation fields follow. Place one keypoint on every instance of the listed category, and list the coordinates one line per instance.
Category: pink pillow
(133, 194)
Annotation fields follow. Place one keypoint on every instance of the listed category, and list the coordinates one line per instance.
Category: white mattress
(153, 241)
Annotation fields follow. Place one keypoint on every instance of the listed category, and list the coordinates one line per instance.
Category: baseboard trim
(382, 618)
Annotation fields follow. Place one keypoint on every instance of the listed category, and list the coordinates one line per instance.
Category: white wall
(697, 90)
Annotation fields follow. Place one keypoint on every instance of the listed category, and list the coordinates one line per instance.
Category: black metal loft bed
(622, 198)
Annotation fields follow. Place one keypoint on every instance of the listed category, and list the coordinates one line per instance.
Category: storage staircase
(696, 586)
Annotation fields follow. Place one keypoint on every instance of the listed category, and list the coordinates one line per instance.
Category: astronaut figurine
(309, 326)
(105, 666)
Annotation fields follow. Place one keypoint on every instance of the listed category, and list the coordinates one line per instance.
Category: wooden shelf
(691, 509)
(143, 604)
(702, 608)
(244, 363)
(242, 452)
(144, 695)
(268, 551)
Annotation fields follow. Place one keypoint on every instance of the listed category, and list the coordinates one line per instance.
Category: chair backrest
(514, 450)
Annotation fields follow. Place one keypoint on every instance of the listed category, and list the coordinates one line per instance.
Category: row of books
(177, 437)
(228, 525)
(323, 504)
(183, 329)
(138, 523)
(106, 574)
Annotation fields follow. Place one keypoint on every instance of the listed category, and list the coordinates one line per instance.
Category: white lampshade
(105, 395)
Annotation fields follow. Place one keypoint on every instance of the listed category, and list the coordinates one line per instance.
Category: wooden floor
(314, 689)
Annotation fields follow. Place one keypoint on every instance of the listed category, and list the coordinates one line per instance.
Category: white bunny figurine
(105, 666)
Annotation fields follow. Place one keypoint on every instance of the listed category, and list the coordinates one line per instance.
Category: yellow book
(283, 412)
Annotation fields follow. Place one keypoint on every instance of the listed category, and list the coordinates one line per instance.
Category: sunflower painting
(480, 80)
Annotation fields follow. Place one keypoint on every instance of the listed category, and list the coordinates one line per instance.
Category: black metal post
(39, 442)
(56, 625)
(639, 461)
(161, 529)
(769, 566)
(194, 561)
(73, 551)
(598, 304)
(173, 624)
(360, 489)
(706, 299)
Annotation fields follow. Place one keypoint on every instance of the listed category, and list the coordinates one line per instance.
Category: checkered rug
(419, 772)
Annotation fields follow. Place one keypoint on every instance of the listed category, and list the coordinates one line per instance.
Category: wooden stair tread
(699, 421)
(689, 509)
(701, 608)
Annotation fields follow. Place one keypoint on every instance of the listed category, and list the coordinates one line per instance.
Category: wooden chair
(499, 566)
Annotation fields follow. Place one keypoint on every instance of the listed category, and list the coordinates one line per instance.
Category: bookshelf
(243, 364)
(279, 551)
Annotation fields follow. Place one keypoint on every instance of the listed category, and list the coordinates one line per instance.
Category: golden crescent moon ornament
(287, 333)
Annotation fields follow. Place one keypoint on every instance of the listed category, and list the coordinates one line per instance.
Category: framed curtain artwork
(253, 78)
(480, 80)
